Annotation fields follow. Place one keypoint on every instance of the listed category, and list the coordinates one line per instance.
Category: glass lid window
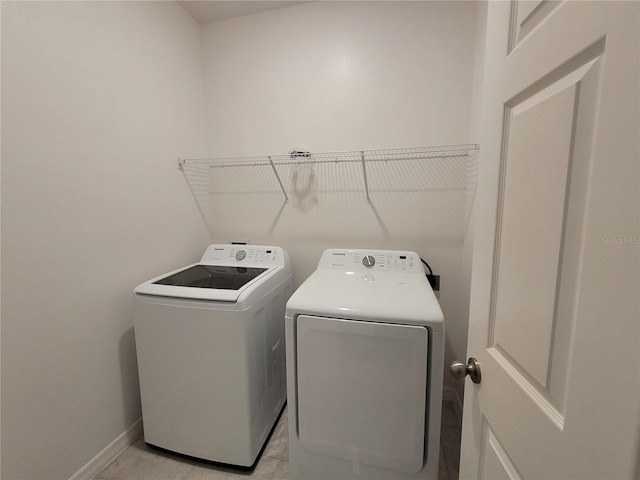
(212, 276)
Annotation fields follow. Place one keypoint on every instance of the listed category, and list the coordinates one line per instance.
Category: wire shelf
(205, 166)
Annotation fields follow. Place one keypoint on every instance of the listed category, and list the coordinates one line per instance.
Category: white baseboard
(450, 394)
(109, 453)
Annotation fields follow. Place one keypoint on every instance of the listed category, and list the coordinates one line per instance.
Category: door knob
(472, 368)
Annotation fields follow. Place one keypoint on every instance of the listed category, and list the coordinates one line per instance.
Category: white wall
(458, 333)
(331, 76)
(340, 76)
(98, 101)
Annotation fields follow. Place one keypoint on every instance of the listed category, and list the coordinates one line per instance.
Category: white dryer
(211, 358)
(365, 352)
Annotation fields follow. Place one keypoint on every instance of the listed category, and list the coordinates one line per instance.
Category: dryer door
(362, 390)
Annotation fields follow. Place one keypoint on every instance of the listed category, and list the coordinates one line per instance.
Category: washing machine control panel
(243, 255)
(371, 260)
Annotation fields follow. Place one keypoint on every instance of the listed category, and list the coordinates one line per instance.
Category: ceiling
(206, 11)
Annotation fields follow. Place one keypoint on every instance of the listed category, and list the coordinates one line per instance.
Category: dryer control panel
(371, 260)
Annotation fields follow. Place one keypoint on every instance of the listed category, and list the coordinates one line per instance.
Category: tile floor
(141, 462)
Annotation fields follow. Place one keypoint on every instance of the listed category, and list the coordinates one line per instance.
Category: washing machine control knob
(240, 254)
(368, 261)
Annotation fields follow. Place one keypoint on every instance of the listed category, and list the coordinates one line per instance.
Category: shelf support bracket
(275, 171)
(364, 174)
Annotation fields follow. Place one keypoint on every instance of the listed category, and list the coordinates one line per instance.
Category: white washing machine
(365, 352)
(211, 356)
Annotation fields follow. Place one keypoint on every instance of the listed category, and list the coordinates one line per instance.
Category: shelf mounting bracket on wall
(364, 174)
(275, 171)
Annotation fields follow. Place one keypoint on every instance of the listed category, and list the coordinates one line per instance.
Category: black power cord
(425, 262)
(434, 280)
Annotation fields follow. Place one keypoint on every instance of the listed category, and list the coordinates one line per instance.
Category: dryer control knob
(240, 254)
(368, 261)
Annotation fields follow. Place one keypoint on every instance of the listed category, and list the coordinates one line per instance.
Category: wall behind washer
(98, 101)
(325, 76)
(333, 76)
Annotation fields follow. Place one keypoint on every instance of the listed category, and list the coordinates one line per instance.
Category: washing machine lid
(221, 283)
(225, 273)
(212, 276)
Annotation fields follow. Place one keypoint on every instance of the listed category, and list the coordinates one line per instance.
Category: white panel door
(362, 389)
(555, 318)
